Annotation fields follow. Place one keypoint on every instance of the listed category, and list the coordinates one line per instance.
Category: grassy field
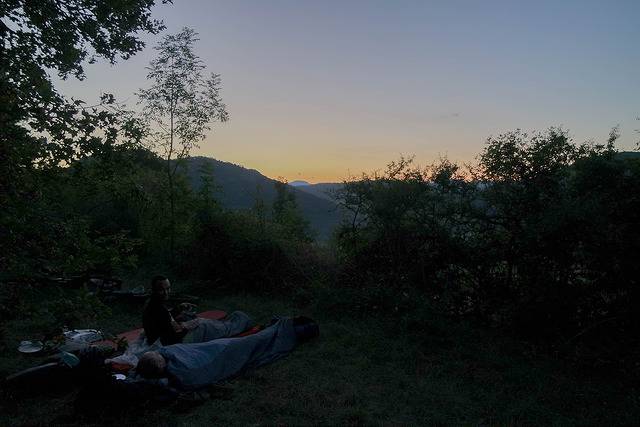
(361, 371)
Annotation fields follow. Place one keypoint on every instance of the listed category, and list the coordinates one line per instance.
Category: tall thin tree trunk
(172, 222)
(171, 219)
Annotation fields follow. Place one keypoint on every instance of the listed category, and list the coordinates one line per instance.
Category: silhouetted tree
(541, 237)
(39, 128)
(287, 215)
(180, 105)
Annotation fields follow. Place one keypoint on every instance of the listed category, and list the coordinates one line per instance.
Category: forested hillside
(236, 187)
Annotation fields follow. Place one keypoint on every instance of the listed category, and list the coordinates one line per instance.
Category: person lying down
(193, 366)
(202, 330)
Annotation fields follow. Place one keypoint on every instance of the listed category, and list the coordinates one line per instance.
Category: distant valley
(324, 190)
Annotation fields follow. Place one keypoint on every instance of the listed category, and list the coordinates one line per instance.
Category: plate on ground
(30, 346)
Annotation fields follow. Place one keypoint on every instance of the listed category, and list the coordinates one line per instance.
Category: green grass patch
(363, 370)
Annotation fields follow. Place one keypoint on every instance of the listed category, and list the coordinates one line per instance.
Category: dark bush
(243, 252)
(541, 238)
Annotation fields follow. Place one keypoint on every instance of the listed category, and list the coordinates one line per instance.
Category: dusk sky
(323, 90)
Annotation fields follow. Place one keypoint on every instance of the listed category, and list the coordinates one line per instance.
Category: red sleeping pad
(133, 335)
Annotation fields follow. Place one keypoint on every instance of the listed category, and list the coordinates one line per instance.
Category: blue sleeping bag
(193, 366)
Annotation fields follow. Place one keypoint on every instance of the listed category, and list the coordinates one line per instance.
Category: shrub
(540, 237)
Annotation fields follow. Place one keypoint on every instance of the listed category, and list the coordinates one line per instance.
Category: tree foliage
(39, 36)
(43, 135)
(539, 238)
(287, 215)
(180, 104)
(41, 129)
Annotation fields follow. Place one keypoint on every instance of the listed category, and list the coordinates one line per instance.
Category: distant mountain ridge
(299, 183)
(625, 155)
(238, 188)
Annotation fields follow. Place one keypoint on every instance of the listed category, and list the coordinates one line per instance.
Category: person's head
(160, 287)
(151, 365)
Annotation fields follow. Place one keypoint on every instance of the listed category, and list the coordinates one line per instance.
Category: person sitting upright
(159, 322)
(157, 319)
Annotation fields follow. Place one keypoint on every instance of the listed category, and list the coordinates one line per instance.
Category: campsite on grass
(319, 213)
